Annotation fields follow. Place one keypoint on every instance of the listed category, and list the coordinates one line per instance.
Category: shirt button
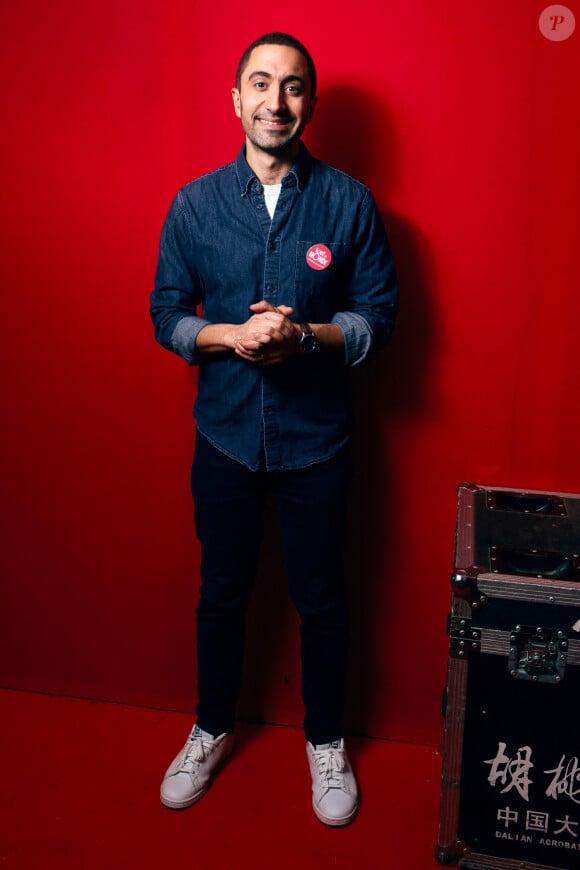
(260, 205)
(272, 246)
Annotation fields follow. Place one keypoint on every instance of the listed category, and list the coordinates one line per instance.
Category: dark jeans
(229, 505)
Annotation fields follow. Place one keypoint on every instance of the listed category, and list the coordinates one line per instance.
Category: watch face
(308, 342)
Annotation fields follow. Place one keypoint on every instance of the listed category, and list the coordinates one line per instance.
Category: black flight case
(510, 795)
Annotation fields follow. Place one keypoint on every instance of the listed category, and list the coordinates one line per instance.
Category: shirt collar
(300, 170)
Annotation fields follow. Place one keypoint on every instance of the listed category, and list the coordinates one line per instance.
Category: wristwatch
(307, 343)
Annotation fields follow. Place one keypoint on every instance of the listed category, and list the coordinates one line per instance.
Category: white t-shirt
(271, 194)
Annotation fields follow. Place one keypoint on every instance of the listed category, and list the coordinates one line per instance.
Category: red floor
(80, 784)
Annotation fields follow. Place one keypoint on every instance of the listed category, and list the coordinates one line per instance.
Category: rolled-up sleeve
(357, 336)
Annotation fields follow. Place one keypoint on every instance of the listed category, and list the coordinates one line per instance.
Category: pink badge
(319, 257)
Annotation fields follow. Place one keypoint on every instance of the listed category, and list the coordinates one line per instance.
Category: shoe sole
(183, 805)
(335, 823)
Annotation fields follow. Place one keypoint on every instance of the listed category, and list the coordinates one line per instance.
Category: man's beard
(267, 143)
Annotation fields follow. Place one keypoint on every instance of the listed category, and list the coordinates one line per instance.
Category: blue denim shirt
(220, 252)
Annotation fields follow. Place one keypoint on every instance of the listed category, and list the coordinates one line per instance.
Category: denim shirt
(220, 252)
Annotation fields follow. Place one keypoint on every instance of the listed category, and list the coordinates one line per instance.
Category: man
(288, 260)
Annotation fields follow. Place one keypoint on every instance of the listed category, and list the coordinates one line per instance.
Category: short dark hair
(277, 38)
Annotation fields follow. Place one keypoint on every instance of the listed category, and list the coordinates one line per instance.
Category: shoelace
(195, 754)
(331, 765)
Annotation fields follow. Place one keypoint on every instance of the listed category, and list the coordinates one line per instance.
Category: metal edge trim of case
(449, 847)
(547, 591)
(523, 491)
(465, 533)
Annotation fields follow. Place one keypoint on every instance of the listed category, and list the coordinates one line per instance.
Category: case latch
(537, 654)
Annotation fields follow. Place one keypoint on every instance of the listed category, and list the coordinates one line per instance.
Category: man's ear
(236, 99)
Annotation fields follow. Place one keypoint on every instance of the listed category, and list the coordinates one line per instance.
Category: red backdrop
(464, 120)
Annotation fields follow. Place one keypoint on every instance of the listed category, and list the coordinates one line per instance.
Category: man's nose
(276, 101)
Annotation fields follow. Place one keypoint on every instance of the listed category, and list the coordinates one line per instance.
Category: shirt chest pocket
(322, 276)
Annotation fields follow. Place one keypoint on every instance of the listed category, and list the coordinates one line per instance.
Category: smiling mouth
(274, 123)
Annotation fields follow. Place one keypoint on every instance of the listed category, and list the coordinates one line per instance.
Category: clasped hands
(268, 336)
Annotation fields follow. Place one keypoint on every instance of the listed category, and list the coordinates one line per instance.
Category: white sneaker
(334, 788)
(188, 776)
